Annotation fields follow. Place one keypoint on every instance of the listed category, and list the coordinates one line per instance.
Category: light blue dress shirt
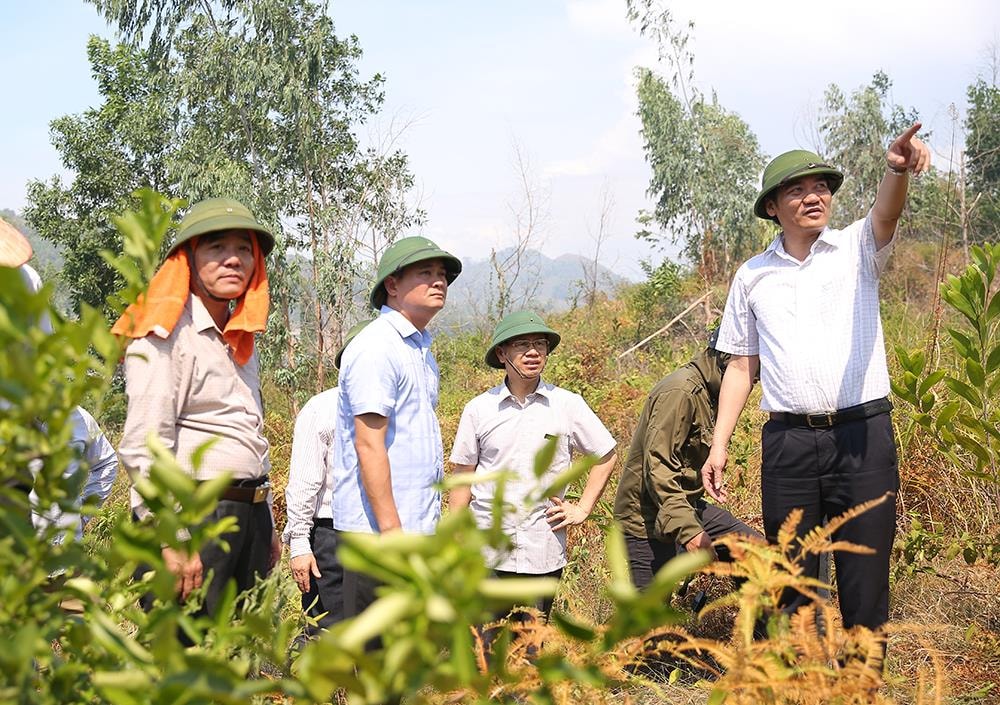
(389, 370)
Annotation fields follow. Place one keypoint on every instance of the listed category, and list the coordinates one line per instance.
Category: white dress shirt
(497, 432)
(309, 494)
(814, 323)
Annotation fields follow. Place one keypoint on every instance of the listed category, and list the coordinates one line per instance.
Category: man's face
(528, 353)
(421, 287)
(224, 262)
(803, 204)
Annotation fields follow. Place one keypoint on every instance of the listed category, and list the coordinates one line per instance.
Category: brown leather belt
(249, 495)
(832, 418)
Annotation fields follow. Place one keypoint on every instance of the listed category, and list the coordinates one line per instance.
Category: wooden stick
(672, 321)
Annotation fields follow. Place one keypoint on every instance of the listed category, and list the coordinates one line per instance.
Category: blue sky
(467, 81)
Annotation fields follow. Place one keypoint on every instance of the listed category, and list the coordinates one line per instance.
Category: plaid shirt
(814, 323)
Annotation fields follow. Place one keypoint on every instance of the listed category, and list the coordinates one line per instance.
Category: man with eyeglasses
(505, 427)
(805, 314)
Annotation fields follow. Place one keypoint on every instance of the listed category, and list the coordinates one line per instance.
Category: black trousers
(647, 555)
(325, 600)
(249, 553)
(825, 472)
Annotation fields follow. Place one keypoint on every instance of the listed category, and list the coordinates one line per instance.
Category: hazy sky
(470, 80)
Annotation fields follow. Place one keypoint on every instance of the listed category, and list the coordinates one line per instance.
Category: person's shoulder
(490, 398)
(759, 260)
(683, 380)
(319, 402)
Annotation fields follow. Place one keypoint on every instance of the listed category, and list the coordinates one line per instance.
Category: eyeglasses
(523, 346)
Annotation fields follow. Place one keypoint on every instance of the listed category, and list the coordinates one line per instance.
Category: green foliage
(705, 160)
(856, 131)
(114, 149)
(982, 146)
(959, 406)
(111, 651)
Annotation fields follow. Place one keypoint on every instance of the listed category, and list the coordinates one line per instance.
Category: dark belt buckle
(824, 420)
(260, 493)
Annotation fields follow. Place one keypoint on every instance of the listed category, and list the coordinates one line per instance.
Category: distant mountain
(544, 283)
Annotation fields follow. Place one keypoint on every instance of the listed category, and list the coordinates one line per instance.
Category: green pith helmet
(793, 165)
(351, 334)
(516, 324)
(216, 214)
(405, 252)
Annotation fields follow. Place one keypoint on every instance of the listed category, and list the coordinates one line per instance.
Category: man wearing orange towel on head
(191, 377)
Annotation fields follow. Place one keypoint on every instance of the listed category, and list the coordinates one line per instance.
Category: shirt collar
(503, 394)
(403, 326)
(200, 316)
(777, 246)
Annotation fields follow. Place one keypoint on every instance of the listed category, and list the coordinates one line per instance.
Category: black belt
(323, 522)
(249, 491)
(832, 418)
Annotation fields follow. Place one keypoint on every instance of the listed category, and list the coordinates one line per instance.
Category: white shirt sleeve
(738, 330)
(465, 450)
(311, 443)
(587, 433)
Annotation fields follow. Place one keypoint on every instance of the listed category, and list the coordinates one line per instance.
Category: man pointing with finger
(805, 313)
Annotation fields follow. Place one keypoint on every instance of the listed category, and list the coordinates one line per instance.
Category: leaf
(993, 310)
(377, 618)
(970, 554)
(716, 698)
(993, 361)
(580, 467)
(614, 542)
(963, 344)
(963, 390)
(975, 373)
(945, 414)
(929, 381)
(573, 628)
(543, 458)
(957, 300)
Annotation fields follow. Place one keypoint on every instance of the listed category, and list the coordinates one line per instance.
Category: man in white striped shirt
(309, 533)
(805, 313)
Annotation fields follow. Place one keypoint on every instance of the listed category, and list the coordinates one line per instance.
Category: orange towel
(162, 304)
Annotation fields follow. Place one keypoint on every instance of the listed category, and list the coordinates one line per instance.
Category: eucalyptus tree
(705, 159)
(114, 149)
(982, 147)
(262, 101)
(855, 131)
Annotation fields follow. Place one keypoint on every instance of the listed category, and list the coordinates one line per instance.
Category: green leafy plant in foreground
(436, 589)
(960, 407)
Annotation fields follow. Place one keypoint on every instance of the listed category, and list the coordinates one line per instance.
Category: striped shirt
(389, 370)
(309, 494)
(814, 323)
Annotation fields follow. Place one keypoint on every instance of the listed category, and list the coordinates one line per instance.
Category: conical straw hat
(15, 249)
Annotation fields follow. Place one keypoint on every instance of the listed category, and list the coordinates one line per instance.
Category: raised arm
(906, 154)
